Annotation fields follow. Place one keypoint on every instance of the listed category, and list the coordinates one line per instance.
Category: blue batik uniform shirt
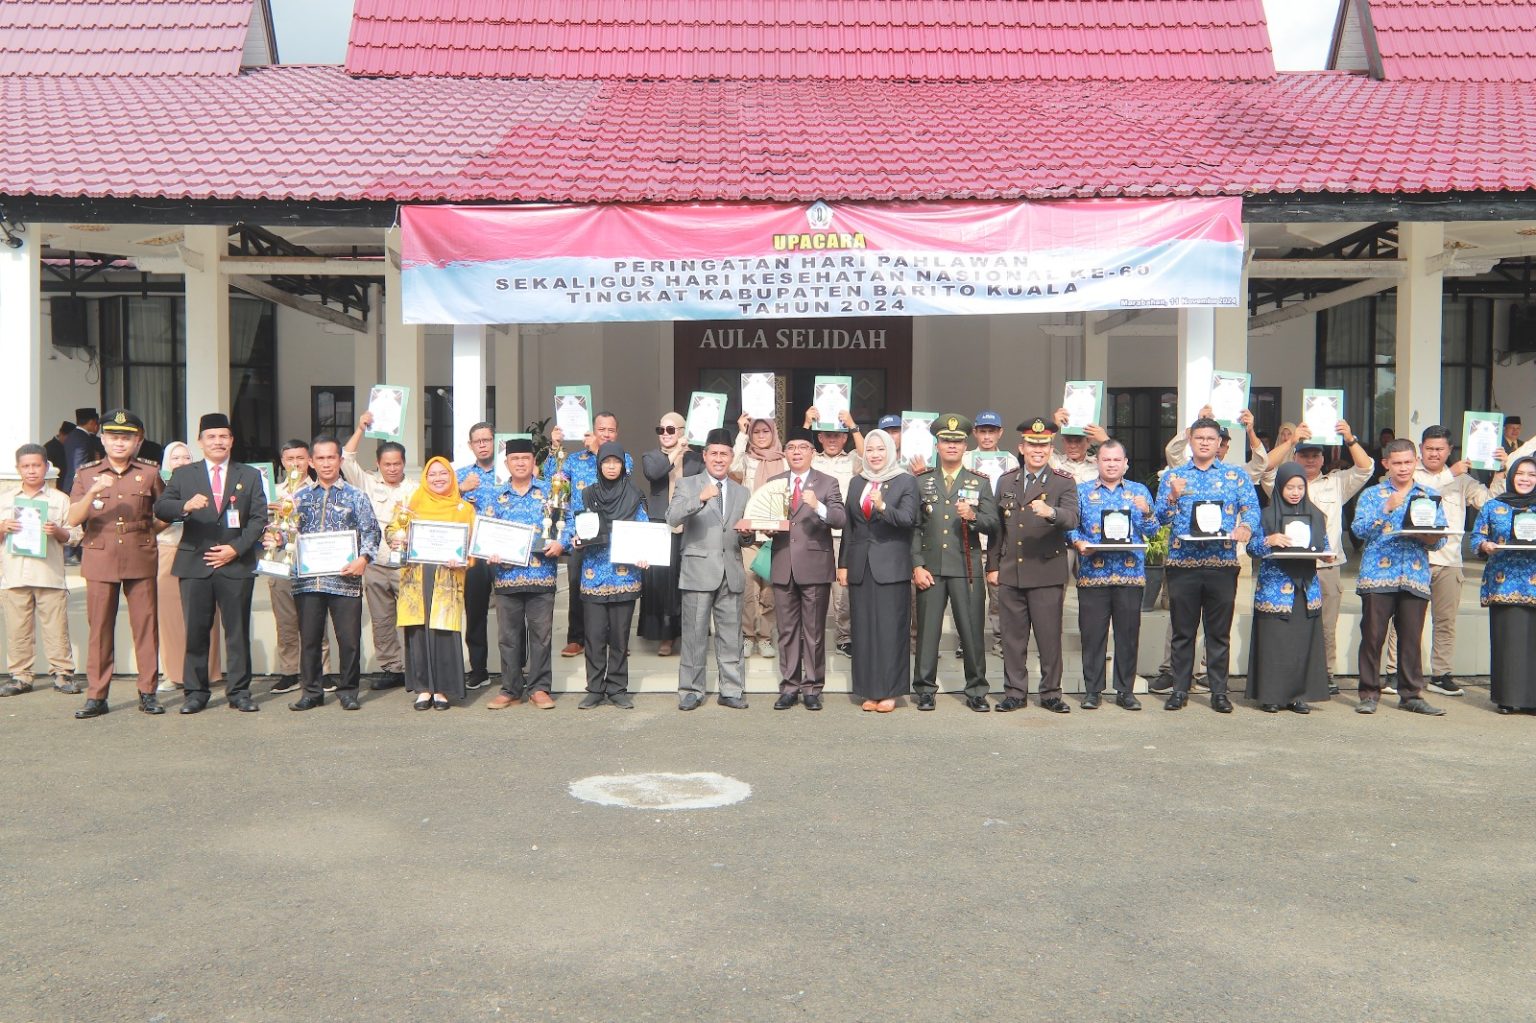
(1228, 484)
(1112, 568)
(1510, 575)
(341, 506)
(483, 496)
(581, 468)
(528, 509)
(1390, 562)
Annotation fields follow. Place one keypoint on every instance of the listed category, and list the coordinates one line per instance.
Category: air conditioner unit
(68, 314)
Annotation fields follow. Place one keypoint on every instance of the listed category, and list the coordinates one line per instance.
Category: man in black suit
(223, 505)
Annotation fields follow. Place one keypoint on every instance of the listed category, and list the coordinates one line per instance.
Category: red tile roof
(122, 37)
(1456, 40)
(310, 133)
(939, 40)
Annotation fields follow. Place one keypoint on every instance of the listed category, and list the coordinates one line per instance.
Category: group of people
(768, 540)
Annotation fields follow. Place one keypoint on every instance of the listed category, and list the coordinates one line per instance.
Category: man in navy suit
(223, 506)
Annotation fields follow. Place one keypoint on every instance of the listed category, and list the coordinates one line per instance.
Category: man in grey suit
(804, 565)
(711, 577)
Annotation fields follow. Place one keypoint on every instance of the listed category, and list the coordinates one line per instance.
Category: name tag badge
(232, 518)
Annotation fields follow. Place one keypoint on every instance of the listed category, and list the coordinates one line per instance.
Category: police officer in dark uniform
(1028, 562)
(949, 565)
(115, 499)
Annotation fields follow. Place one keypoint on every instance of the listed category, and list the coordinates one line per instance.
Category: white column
(1417, 403)
(21, 340)
(207, 291)
(507, 370)
(1095, 348)
(404, 354)
(1197, 360)
(468, 387)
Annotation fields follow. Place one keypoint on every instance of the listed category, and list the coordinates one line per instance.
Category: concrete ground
(391, 865)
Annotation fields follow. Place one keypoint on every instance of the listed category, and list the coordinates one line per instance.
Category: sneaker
(1200, 685)
(332, 683)
(1445, 685)
(168, 687)
(572, 650)
(477, 680)
(285, 684)
(846, 649)
(1419, 705)
(388, 680)
(1389, 683)
(15, 687)
(68, 684)
(1163, 683)
(622, 700)
(590, 700)
(1366, 706)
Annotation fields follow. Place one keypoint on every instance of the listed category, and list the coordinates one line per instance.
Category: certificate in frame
(1084, 402)
(388, 404)
(512, 542)
(324, 553)
(437, 543)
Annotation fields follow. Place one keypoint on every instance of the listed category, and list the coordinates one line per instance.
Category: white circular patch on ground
(702, 790)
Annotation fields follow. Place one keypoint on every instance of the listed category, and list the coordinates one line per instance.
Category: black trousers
(1376, 610)
(575, 617)
(1197, 595)
(608, 645)
(1097, 608)
(525, 615)
(346, 614)
(479, 579)
(232, 596)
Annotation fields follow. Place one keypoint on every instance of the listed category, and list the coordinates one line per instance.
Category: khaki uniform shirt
(46, 572)
(384, 497)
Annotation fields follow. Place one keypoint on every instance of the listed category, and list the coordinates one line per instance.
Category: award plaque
(1205, 522)
(1522, 533)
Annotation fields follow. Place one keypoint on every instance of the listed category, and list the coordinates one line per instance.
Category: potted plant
(1157, 553)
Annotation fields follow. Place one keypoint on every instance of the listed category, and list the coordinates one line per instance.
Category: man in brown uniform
(1028, 563)
(115, 500)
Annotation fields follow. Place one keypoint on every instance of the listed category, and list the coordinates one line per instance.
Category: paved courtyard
(392, 865)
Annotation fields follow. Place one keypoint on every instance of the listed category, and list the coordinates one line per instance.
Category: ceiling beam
(261, 289)
(301, 266)
(1321, 269)
(1321, 302)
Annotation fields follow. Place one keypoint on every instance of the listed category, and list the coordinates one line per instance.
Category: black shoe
(734, 702)
(440, 703)
(193, 703)
(786, 700)
(1270, 708)
(1419, 705)
(243, 703)
(590, 700)
(1091, 701)
(846, 649)
(423, 702)
(349, 701)
(1220, 703)
(1008, 704)
(1176, 701)
(1128, 701)
(959, 653)
(1056, 705)
(979, 704)
(388, 680)
(1300, 707)
(812, 701)
(309, 701)
(689, 701)
(622, 700)
(149, 703)
(1445, 685)
(476, 679)
(92, 709)
(925, 701)
(1160, 685)
(285, 684)
(1502, 709)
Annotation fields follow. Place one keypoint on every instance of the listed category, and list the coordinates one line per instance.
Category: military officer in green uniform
(958, 508)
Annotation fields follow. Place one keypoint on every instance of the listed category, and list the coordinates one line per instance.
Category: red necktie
(869, 499)
(794, 499)
(218, 487)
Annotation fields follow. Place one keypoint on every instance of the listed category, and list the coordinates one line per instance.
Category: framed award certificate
(325, 553)
(511, 542)
(31, 541)
(634, 542)
(437, 543)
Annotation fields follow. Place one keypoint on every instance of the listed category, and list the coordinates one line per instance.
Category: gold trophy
(559, 499)
(767, 510)
(280, 538)
(399, 528)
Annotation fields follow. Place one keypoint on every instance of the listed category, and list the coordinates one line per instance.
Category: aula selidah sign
(720, 261)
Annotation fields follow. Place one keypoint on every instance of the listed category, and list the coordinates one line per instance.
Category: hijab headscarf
(165, 455)
(1273, 519)
(616, 499)
(770, 460)
(448, 507)
(677, 452)
(1519, 502)
(893, 466)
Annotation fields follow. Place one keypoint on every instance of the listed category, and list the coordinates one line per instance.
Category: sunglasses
(665, 429)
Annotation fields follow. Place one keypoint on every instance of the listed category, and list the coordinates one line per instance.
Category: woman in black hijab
(1503, 534)
(608, 591)
(1286, 665)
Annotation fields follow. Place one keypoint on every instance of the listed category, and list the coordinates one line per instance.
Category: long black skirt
(661, 603)
(1512, 662)
(879, 616)
(1285, 658)
(434, 658)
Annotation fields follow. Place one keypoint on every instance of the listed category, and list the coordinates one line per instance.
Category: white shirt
(802, 477)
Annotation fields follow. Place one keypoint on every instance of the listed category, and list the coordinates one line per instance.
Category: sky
(315, 31)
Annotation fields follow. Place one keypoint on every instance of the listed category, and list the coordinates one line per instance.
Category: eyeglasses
(665, 429)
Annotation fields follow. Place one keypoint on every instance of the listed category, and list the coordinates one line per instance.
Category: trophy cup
(399, 528)
(278, 540)
(559, 499)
